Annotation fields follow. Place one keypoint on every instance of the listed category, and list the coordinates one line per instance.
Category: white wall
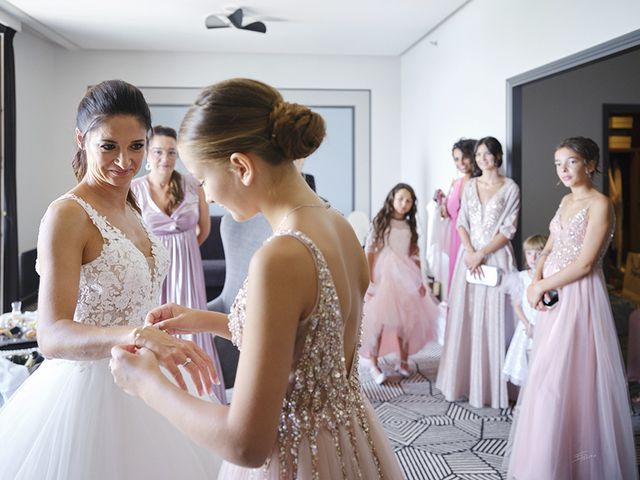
(62, 77)
(38, 163)
(458, 87)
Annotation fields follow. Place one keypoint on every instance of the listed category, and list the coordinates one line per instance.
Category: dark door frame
(616, 46)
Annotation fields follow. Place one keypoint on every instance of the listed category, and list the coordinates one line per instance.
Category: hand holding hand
(132, 368)
(176, 319)
(171, 352)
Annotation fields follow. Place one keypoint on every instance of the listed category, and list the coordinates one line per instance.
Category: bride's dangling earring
(147, 166)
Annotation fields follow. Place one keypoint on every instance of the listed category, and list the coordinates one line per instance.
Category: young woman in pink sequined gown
(573, 420)
(297, 409)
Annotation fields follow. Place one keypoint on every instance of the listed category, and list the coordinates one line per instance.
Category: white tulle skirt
(69, 421)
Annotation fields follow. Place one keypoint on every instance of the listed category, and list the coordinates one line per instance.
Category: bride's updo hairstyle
(102, 101)
(246, 116)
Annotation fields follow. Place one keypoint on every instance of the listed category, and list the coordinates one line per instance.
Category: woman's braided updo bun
(247, 116)
(296, 130)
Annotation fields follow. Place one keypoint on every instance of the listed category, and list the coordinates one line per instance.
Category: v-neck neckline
(504, 184)
(155, 205)
(563, 225)
(152, 272)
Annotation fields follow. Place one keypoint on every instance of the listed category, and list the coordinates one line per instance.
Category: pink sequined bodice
(322, 394)
(568, 240)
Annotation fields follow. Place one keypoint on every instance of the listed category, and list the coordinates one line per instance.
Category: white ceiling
(325, 27)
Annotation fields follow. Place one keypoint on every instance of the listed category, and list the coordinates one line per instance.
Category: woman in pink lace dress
(173, 206)
(297, 409)
(573, 420)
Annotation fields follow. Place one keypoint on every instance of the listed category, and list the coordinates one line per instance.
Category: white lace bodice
(121, 285)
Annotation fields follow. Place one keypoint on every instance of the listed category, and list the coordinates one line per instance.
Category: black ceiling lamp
(234, 20)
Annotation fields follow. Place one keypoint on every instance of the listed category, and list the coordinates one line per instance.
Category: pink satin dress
(184, 284)
(453, 206)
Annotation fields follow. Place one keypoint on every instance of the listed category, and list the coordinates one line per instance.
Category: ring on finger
(187, 362)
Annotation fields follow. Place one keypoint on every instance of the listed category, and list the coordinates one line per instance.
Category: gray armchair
(240, 241)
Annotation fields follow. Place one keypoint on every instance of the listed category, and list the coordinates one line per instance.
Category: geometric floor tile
(436, 435)
(389, 412)
(438, 440)
(469, 463)
(404, 432)
(490, 446)
(497, 429)
(421, 465)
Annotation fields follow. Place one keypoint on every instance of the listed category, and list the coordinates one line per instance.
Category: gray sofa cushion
(240, 241)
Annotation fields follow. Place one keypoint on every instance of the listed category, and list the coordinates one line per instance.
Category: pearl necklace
(304, 205)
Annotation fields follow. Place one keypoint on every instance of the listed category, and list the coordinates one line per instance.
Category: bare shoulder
(600, 206)
(65, 220)
(283, 257)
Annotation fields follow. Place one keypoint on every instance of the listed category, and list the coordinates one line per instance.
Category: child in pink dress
(400, 315)
(573, 420)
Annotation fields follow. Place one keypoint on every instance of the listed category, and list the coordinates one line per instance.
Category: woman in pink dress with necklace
(480, 319)
(573, 420)
(462, 153)
(173, 206)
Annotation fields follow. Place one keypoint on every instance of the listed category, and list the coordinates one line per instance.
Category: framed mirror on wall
(341, 166)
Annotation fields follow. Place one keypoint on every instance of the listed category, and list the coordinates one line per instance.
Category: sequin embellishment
(322, 395)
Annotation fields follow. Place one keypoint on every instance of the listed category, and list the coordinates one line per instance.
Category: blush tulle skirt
(394, 308)
(573, 420)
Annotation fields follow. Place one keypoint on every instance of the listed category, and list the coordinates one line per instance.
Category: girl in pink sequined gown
(297, 410)
(399, 313)
(573, 420)
(173, 206)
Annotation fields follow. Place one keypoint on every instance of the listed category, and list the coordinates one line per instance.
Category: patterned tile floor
(438, 440)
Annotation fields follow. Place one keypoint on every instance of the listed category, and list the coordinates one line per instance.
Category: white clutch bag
(490, 276)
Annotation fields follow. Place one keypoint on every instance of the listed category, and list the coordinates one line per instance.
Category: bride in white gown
(101, 271)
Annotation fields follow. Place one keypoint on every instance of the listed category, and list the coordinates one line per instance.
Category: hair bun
(296, 130)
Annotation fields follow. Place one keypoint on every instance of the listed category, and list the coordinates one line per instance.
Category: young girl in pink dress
(399, 314)
(573, 420)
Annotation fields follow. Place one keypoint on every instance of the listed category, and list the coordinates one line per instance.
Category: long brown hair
(101, 102)
(242, 115)
(382, 221)
(176, 190)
